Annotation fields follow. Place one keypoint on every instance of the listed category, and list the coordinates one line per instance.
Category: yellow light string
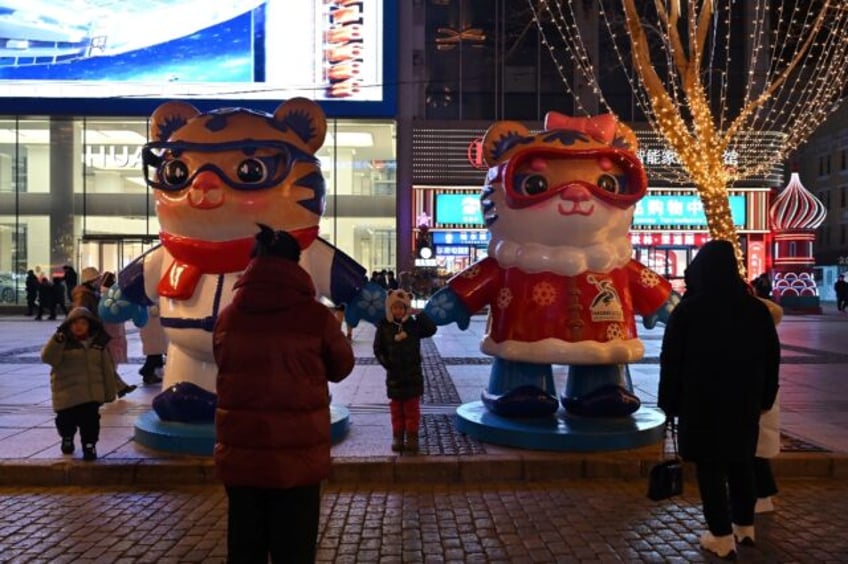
(806, 73)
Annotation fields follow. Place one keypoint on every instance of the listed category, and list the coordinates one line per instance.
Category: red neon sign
(475, 153)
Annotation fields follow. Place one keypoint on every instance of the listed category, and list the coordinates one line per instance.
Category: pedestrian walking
(276, 348)
(31, 284)
(46, 299)
(841, 289)
(81, 379)
(397, 347)
(87, 295)
(392, 282)
(718, 372)
(762, 286)
(117, 346)
(59, 294)
(70, 278)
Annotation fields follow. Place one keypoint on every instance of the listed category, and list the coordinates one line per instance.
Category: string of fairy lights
(677, 57)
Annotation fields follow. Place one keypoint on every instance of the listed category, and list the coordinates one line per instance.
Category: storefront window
(100, 212)
(112, 156)
(359, 164)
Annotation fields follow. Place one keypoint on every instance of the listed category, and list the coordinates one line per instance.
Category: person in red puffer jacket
(276, 348)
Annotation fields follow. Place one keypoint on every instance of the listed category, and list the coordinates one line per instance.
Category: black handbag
(666, 478)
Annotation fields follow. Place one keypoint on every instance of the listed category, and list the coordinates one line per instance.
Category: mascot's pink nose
(575, 193)
(206, 192)
(206, 180)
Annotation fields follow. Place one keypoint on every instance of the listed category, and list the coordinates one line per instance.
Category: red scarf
(196, 257)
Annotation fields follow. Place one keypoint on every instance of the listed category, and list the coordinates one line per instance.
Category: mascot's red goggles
(527, 188)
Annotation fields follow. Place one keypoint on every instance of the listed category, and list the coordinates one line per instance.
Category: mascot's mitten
(445, 307)
(662, 314)
(114, 308)
(369, 304)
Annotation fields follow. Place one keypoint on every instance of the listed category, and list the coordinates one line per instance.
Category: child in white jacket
(768, 443)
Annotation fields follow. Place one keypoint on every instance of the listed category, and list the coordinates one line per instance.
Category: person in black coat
(718, 372)
(397, 347)
(46, 300)
(70, 280)
(31, 291)
(59, 294)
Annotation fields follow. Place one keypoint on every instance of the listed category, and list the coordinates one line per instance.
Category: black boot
(89, 452)
(148, 370)
(397, 441)
(67, 445)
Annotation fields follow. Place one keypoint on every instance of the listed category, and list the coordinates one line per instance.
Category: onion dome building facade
(794, 217)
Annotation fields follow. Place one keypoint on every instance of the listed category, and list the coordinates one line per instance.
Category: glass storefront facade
(72, 192)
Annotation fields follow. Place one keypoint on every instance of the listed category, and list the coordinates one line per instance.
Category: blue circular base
(171, 436)
(562, 432)
(339, 423)
(199, 438)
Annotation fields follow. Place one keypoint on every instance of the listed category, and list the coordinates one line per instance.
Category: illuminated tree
(684, 70)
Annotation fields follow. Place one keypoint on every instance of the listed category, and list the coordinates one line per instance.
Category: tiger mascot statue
(560, 281)
(216, 175)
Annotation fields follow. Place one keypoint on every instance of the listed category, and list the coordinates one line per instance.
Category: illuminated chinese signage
(665, 238)
(667, 157)
(460, 237)
(681, 210)
(453, 250)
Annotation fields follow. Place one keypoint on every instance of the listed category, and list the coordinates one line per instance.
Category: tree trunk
(716, 203)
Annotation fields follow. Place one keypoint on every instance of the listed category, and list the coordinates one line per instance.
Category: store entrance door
(111, 253)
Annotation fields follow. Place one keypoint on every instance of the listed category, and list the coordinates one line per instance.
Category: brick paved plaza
(458, 501)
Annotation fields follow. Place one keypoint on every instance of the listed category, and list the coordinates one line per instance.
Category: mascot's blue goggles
(166, 170)
(526, 188)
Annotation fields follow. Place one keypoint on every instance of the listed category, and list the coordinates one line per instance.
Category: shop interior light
(350, 139)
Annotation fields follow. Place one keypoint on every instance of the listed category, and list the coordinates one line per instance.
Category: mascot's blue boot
(604, 390)
(520, 389)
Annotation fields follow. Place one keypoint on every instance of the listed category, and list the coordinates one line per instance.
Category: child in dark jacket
(81, 380)
(397, 347)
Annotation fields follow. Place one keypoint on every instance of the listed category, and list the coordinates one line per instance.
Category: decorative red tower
(794, 217)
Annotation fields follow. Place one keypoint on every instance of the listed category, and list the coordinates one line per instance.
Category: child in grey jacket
(81, 380)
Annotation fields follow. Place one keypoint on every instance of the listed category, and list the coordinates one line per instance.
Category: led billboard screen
(458, 209)
(99, 56)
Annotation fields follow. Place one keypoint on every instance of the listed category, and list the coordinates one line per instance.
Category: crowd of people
(49, 295)
(385, 278)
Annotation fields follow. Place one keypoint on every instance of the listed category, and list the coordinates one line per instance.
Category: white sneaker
(744, 534)
(764, 505)
(724, 546)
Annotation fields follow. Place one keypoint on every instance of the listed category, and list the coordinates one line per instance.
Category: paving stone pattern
(564, 521)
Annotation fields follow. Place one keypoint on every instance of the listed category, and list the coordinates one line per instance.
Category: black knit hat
(270, 243)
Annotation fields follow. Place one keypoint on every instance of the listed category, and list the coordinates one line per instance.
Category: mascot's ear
(306, 119)
(501, 137)
(168, 118)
